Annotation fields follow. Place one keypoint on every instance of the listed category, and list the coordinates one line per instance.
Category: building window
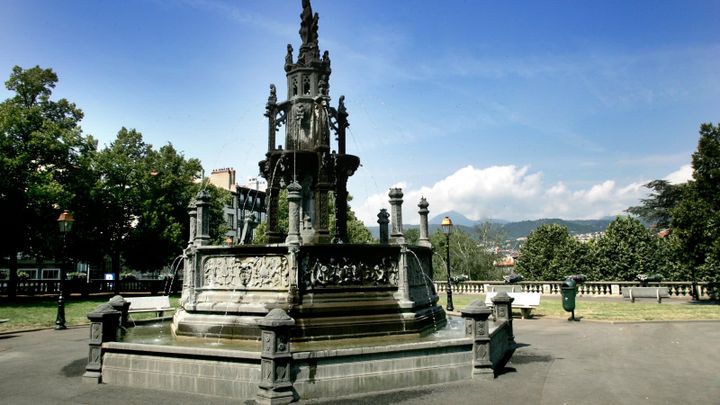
(230, 219)
(51, 274)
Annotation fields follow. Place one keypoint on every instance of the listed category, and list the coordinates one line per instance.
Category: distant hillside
(515, 230)
(523, 228)
(460, 219)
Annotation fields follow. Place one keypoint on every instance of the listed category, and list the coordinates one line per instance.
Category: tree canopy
(696, 216)
(129, 200)
(41, 148)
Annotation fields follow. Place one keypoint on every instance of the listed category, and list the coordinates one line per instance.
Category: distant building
(246, 207)
(587, 237)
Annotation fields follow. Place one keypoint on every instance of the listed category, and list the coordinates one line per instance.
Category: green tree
(490, 235)
(118, 194)
(545, 255)
(696, 218)
(161, 231)
(657, 209)
(466, 256)
(412, 236)
(41, 144)
(627, 249)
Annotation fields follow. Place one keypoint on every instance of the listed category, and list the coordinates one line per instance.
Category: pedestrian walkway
(557, 362)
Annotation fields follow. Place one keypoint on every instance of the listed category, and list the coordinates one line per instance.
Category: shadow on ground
(74, 369)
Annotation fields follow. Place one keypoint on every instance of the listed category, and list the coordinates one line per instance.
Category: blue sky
(512, 110)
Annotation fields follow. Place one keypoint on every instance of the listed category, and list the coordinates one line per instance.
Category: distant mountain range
(514, 230)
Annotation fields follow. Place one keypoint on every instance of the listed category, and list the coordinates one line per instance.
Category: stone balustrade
(590, 288)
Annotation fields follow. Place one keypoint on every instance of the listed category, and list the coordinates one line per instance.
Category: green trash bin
(569, 291)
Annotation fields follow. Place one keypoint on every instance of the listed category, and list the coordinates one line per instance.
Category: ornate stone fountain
(331, 288)
(307, 315)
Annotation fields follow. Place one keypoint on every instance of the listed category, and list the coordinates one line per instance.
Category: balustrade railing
(40, 287)
(590, 288)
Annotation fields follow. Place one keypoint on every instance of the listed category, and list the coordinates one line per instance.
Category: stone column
(202, 204)
(119, 304)
(383, 221)
(275, 385)
(476, 326)
(248, 230)
(322, 213)
(192, 213)
(270, 112)
(273, 195)
(104, 327)
(341, 196)
(502, 304)
(294, 197)
(396, 201)
(424, 238)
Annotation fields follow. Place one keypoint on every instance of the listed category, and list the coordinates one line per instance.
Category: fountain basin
(331, 291)
(326, 369)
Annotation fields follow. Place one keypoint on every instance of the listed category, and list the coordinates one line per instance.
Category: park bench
(158, 304)
(657, 293)
(525, 301)
(496, 288)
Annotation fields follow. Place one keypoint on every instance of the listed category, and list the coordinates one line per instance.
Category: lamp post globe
(65, 223)
(447, 228)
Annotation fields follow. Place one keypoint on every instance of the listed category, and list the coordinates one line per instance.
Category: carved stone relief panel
(246, 272)
(345, 272)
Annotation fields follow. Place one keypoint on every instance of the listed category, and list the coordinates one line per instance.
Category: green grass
(42, 313)
(673, 309)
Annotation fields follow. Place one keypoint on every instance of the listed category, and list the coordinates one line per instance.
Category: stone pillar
(275, 385)
(476, 326)
(322, 213)
(202, 204)
(104, 327)
(396, 201)
(192, 213)
(424, 233)
(342, 124)
(248, 230)
(270, 112)
(502, 304)
(294, 197)
(273, 195)
(341, 196)
(119, 304)
(383, 221)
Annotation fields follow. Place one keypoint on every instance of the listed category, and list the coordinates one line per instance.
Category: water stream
(428, 289)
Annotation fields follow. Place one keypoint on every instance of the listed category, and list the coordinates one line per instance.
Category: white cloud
(682, 175)
(512, 193)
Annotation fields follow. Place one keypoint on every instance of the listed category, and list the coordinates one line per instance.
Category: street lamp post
(65, 223)
(447, 227)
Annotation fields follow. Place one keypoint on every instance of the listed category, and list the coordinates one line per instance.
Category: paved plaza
(558, 362)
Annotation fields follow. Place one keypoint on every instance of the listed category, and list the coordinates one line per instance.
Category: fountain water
(302, 317)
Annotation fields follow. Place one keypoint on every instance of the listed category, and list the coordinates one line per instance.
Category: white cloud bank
(513, 193)
(681, 175)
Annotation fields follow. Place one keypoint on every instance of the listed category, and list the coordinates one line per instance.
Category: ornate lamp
(65, 223)
(447, 228)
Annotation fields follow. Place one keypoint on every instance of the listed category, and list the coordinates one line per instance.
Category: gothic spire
(310, 49)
